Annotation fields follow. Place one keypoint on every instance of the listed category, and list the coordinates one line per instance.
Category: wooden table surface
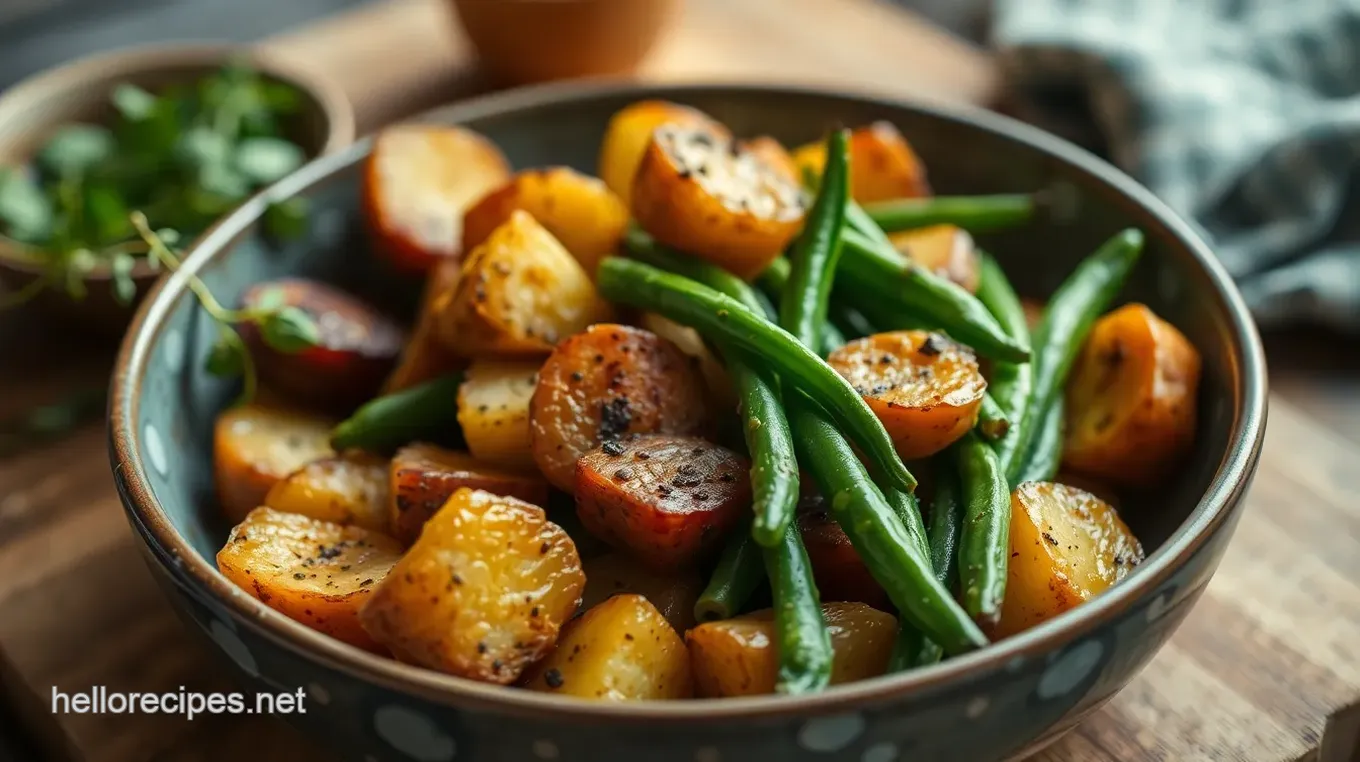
(1266, 668)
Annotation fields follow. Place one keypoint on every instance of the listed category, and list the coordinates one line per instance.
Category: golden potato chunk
(672, 593)
(945, 250)
(424, 477)
(924, 387)
(520, 293)
(665, 499)
(482, 593)
(493, 411)
(629, 132)
(775, 156)
(739, 657)
(606, 382)
(417, 182)
(346, 489)
(1067, 545)
(315, 572)
(425, 357)
(710, 197)
(620, 650)
(1131, 399)
(578, 210)
(255, 447)
(882, 164)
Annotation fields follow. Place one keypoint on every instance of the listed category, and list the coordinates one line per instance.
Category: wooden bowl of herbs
(181, 134)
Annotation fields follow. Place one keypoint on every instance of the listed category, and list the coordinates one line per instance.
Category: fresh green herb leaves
(184, 156)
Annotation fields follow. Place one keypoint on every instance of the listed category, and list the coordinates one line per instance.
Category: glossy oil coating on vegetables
(609, 462)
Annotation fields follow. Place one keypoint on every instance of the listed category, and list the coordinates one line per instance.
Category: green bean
(774, 280)
(1046, 454)
(880, 273)
(913, 649)
(992, 422)
(644, 248)
(1068, 318)
(850, 321)
(984, 545)
(813, 257)
(1010, 383)
(974, 213)
(726, 320)
(876, 531)
(385, 423)
(805, 653)
(738, 573)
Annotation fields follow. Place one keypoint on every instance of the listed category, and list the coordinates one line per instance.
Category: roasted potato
(316, 572)
(1067, 545)
(662, 498)
(837, 569)
(710, 197)
(609, 381)
(349, 489)
(255, 447)
(1131, 399)
(673, 593)
(688, 340)
(578, 210)
(482, 593)
(629, 132)
(418, 181)
(945, 250)
(738, 657)
(775, 156)
(1095, 486)
(520, 294)
(425, 357)
(925, 387)
(882, 164)
(493, 411)
(358, 346)
(620, 650)
(423, 477)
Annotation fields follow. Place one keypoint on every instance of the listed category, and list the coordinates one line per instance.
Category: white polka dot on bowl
(1070, 669)
(827, 734)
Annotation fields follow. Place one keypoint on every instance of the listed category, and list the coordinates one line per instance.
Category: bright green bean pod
(984, 545)
(1046, 454)
(992, 422)
(973, 213)
(729, 322)
(912, 648)
(946, 526)
(850, 321)
(815, 252)
(877, 533)
(775, 278)
(1010, 383)
(805, 653)
(1068, 318)
(739, 572)
(427, 411)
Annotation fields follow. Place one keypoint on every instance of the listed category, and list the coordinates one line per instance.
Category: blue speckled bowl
(997, 703)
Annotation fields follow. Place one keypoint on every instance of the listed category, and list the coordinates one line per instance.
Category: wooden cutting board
(1264, 668)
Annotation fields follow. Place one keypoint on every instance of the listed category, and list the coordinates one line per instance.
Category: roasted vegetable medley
(730, 420)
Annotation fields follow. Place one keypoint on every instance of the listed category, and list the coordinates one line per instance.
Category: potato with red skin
(348, 489)
(605, 382)
(630, 131)
(578, 210)
(521, 292)
(837, 569)
(257, 446)
(1067, 546)
(946, 250)
(358, 345)
(425, 357)
(883, 165)
(666, 500)
(924, 387)
(715, 200)
(1132, 399)
(423, 477)
(417, 182)
(315, 572)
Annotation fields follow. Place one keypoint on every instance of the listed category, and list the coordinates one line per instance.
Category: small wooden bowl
(79, 92)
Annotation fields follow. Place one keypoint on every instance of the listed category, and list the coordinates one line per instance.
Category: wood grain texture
(1271, 652)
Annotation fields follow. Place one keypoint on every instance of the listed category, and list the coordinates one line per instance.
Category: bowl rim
(326, 95)
(1214, 509)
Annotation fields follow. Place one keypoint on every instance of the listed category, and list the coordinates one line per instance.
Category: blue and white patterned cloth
(1243, 115)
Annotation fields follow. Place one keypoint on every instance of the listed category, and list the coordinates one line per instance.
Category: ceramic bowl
(997, 703)
(80, 90)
